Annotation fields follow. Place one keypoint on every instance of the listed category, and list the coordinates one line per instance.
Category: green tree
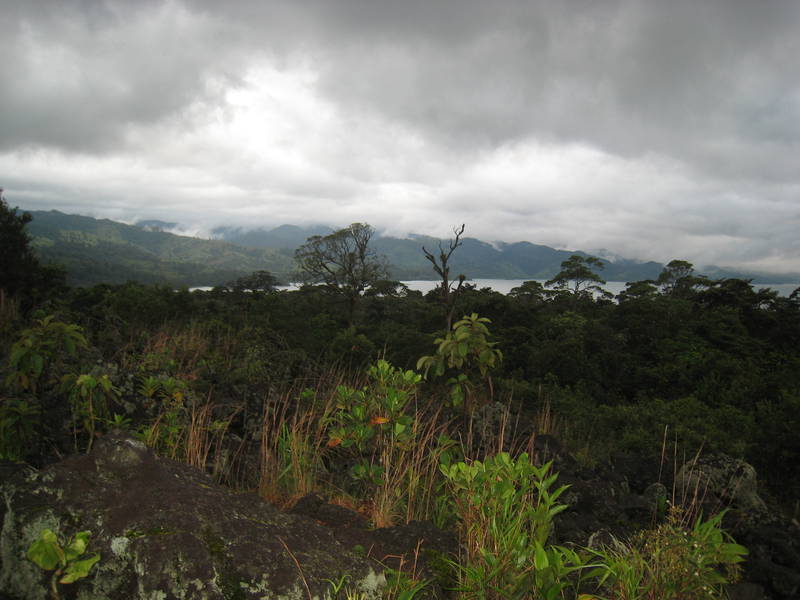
(531, 292)
(343, 262)
(21, 274)
(257, 281)
(463, 349)
(678, 278)
(17, 260)
(578, 276)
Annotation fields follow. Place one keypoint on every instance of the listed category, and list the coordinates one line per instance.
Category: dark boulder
(165, 530)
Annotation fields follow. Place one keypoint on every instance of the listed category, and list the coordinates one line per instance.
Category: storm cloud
(658, 130)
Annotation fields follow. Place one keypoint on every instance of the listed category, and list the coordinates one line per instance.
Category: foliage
(40, 347)
(402, 586)
(18, 418)
(89, 397)
(65, 561)
(257, 281)
(577, 275)
(167, 432)
(506, 508)
(212, 377)
(678, 278)
(16, 255)
(342, 261)
(22, 276)
(672, 562)
(372, 421)
(463, 349)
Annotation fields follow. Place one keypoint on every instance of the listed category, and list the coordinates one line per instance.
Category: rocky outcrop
(165, 530)
(718, 481)
(722, 480)
(409, 547)
(605, 505)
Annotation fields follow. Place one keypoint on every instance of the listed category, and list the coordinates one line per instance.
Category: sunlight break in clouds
(655, 130)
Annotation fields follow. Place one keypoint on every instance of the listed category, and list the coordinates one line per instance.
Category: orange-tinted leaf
(378, 420)
(333, 442)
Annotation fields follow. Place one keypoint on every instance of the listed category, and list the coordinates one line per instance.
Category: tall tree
(343, 262)
(20, 271)
(578, 277)
(678, 278)
(257, 281)
(448, 295)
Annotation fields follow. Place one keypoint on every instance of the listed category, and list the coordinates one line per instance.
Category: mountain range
(103, 251)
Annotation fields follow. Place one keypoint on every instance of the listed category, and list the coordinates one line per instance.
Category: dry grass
(411, 472)
(293, 439)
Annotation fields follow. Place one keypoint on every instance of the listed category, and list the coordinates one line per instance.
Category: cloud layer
(655, 129)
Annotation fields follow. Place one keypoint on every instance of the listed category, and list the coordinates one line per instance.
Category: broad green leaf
(79, 569)
(540, 560)
(77, 545)
(37, 365)
(46, 552)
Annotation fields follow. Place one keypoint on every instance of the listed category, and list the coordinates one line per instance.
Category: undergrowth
(393, 446)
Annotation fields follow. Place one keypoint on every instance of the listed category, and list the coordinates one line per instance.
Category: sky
(651, 129)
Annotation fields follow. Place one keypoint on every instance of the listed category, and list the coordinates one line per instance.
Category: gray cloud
(655, 129)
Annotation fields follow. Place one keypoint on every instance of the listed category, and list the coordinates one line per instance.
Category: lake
(506, 285)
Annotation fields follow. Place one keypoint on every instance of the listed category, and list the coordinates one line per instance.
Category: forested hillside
(99, 250)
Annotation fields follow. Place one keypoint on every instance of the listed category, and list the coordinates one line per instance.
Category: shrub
(672, 562)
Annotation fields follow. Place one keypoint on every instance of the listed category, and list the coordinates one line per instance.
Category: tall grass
(411, 479)
(293, 439)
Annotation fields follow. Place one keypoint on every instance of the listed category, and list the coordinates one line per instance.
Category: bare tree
(442, 268)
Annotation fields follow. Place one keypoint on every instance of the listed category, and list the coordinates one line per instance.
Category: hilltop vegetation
(102, 251)
(365, 391)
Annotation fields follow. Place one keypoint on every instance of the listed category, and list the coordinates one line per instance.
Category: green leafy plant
(464, 349)
(67, 562)
(36, 362)
(89, 397)
(367, 419)
(674, 561)
(374, 426)
(402, 586)
(167, 433)
(18, 418)
(118, 421)
(47, 343)
(399, 586)
(505, 508)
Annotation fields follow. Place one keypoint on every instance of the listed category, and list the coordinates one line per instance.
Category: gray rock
(656, 496)
(721, 478)
(165, 530)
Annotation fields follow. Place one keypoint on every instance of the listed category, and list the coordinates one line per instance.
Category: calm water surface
(506, 285)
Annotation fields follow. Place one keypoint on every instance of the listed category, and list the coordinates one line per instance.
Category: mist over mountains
(103, 251)
(480, 259)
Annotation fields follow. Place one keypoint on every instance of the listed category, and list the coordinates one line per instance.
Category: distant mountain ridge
(475, 258)
(104, 251)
